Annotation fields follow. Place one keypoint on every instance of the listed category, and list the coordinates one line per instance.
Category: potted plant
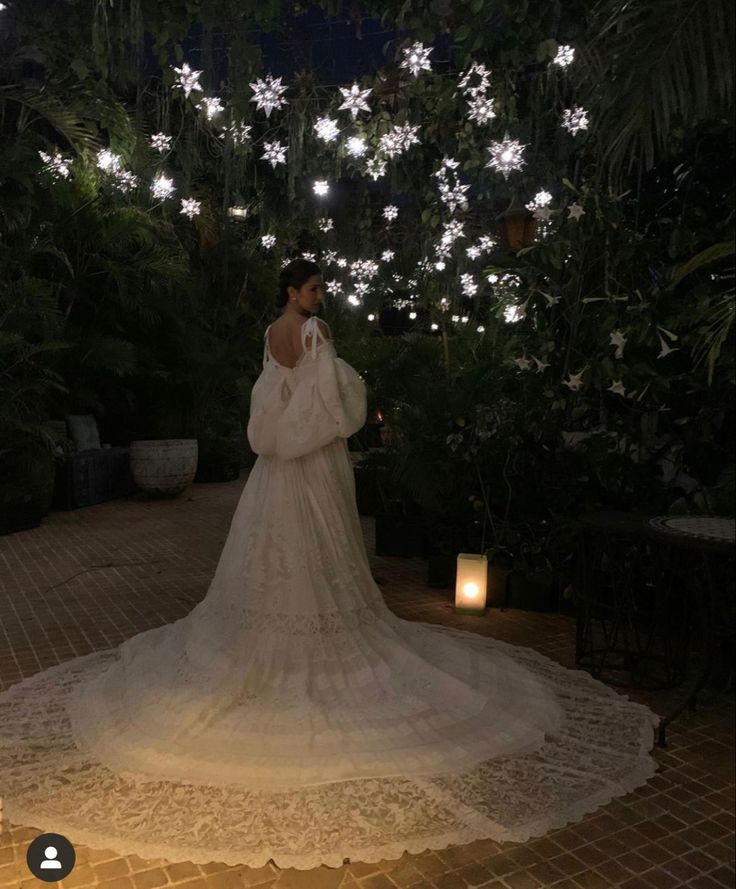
(164, 464)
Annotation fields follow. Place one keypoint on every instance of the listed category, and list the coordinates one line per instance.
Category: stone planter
(164, 467)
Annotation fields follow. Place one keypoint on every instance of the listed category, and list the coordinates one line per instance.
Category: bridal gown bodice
(291, 714)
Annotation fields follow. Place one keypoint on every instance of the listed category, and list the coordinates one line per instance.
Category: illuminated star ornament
(238, 132)
(416, 58)
(575, 119)
(327, 129)
(506, 156)
(485, 80)
(564, 57)
(355, 100)
(268, 94)
(190, 207)
(187, 80)
(161, 142)
(481, 109)
(356, 147)
(390, 212)
(211, 106)
(108, 161)
(540, 199)
(268, 241)
(376, 167)
(275, 153)
(55, 164)
(125, 181)
(162, 187)
(399, 139)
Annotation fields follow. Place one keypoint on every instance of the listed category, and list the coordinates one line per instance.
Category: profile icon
(50, 861)
(50, 857)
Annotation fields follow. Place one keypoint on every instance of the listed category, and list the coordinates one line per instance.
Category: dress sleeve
(268, 400)
(328, 402)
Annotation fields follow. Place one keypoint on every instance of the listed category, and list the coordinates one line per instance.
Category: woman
(291, 715)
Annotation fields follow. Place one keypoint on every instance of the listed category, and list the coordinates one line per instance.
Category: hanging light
(517, 226)
(238, 210)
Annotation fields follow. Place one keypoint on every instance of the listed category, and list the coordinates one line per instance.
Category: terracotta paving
(90, 578)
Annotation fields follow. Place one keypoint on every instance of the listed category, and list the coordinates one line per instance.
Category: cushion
(83, 429)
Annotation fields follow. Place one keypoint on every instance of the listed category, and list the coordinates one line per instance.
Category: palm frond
(652, 67)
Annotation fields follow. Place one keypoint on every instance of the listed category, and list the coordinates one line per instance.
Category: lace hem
(47, 781)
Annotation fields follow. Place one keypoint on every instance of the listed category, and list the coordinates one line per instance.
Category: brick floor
(90, 578)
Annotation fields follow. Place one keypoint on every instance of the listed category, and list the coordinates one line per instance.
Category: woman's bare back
(285, 339)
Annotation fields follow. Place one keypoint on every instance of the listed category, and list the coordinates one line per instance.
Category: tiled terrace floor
(90, 578)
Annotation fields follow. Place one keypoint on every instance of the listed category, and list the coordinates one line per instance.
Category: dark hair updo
(295, 274)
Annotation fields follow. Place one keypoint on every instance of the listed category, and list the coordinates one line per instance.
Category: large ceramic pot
(164, 467)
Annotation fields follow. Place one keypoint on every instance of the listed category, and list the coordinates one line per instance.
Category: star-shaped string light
(268, 241)
(124, 181)
(161, 142)
(356, 147)
(540, 199)
(321, 187)
(238, 132)
(326, 224)
(355, 100)
(190, 207)
(485, 80)
(506, 156)
(162, 187)
(108, 161)
(211, 105)
(416, 58)
(327, 129)
(275, 153)
(575, 119)
(268, 94)
(391, 211)
(481, 109)
(452, 195)
(187, 80)
(469, 287)
(564, 57)
(376, 167)
(401, 137)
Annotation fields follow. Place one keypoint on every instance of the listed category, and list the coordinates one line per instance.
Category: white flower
(575, 211)
(575, 381)
(618, 340)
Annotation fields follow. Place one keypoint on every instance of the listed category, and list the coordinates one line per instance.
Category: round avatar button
(50, 857)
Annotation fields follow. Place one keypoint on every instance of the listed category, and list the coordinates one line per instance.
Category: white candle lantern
(237, 212)
(471, 583)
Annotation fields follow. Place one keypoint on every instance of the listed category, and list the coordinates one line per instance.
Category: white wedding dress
(291, 715)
